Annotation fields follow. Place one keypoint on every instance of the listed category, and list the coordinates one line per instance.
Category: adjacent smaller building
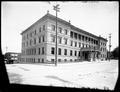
(11, 57)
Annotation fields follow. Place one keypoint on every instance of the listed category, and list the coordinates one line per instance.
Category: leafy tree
(115, 53)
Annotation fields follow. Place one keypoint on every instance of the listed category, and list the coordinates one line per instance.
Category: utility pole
(57, 10)
(109, 46)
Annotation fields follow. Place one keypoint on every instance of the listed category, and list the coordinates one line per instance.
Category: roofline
(102, 38)
(50, 16)
(34, 24)
(82, 31)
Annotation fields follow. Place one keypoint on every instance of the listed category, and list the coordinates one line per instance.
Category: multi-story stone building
(74, 44)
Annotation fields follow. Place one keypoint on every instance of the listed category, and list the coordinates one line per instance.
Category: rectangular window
(86, 45)
(71, 34)
(39, 60)
(27, 43)
(65, 60)
(65, 51)
(66, 31)
(31, 34)
(52, 60)
(30, 42)
(79, 44)
(92, 41)
(34, 51)
(34, 40)
(59, 60)
(39, 39)
(42, 60)
(79, 53)
(52, 50)
(35, 32)
(89, 39)
(79, 37)
(43, 27)
(83, 45)
(60, 30)
(59, 40)
(70, 52)
(52, 38)
(75, 53)
(70, 60)
(43, 50)
(40, 29)
(86, 39)
(71, 43)
(101, 49)
(39, 51)
(75, 35)
(27, 36)
(27, 52)
(53, 27)
(75, 44)
(82, 38)
(65, 39)
(43, 39)
(59, 51)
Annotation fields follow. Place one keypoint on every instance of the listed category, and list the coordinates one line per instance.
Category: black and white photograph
(69, 44)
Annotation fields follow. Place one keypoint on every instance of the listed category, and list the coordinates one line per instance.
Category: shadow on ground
(14, 78)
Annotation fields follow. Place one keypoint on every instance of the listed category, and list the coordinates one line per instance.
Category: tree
(115, 53)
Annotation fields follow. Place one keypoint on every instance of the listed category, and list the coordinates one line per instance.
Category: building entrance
(85, 55)
(89, 54)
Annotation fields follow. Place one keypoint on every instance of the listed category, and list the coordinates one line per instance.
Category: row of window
(14, 54)
(41, 60)
(53, 39)
(32, 60)
(83, 38)
(31, 34)
(103, 49)
(72, 35)
(60, 30)
(65, 52)
(33, 51)
(103, 44)
(34, 41)
(43, 28)
(64, 60)
(103, 56)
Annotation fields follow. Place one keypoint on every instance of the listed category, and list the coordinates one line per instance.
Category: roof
(52, 17)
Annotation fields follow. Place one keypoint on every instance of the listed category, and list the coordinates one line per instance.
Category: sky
(98, 18)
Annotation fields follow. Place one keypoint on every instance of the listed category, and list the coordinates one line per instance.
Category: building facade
(73, 45)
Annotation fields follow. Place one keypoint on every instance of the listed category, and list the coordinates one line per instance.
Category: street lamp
(57, 10)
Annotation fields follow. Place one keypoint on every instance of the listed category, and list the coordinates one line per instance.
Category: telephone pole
(109, 46)
(57, 10)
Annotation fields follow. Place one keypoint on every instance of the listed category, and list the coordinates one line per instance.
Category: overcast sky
(99, 18)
